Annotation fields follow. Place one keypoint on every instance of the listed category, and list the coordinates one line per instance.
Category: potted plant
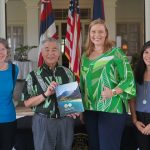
(134, 60)
(22, 52)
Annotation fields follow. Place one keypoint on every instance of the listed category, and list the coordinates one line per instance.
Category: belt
(54, 116)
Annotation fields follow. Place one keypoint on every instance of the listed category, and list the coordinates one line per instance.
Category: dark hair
(141, 67)
(4, 42)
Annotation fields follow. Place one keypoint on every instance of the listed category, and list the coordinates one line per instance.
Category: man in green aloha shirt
(50, 131)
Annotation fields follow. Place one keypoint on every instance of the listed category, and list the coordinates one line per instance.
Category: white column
(32, 27)
(2, 19)
(110, 17)
(147, 20)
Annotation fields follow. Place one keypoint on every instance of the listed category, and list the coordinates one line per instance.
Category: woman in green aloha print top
(107, 83)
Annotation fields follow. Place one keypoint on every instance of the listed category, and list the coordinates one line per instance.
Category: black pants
(104, 130)
(7, 135)
(143, 140)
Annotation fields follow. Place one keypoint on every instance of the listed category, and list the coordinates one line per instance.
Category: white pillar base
(2, 19)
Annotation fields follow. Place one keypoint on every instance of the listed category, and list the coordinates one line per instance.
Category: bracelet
(44, 95)
(114, 92)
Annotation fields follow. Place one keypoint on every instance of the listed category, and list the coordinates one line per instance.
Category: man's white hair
(51, 40)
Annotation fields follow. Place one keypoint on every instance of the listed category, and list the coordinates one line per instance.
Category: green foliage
(134, 60)
(22, 52)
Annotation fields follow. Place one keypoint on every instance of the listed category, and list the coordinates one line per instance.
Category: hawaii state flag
(98, 9)
(47, 25)
(73, 37)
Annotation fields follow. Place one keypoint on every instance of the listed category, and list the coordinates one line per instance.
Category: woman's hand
(146, 130)
(140, 126)
(106, 93)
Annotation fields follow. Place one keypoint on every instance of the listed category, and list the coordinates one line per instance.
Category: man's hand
(51, 88)
(74, 115)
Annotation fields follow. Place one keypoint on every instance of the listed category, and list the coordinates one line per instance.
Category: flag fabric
(73, 37)
(98, 9)
(47, 25)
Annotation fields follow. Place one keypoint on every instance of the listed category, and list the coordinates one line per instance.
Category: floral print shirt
(37, 82)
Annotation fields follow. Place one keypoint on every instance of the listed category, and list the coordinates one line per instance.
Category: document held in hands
(69, 98)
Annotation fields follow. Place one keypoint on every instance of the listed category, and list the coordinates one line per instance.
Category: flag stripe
(46, 23)
(47, 26)
(46, 10)
(73, 37)
(98, 9)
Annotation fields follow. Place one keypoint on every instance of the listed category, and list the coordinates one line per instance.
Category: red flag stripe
(47, 28)
(73, 37)
(46, 11)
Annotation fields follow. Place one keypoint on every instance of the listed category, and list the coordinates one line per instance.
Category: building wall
(126, 11)
(132, 12)
(16, 14)
(129, 10)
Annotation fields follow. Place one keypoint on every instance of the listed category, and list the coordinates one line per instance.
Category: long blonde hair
(89, 46)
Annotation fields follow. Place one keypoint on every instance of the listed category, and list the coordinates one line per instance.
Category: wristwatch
(114, 92)
(43, 94)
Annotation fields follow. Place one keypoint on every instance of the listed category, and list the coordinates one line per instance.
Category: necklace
(4, 67)
(146, 86)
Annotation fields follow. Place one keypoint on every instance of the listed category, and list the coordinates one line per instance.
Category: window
(62, 14)
(130, 34)
(15, 36)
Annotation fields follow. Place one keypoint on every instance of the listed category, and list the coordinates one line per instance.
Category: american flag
(73, 37)
(47, 25)
(98, 9)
